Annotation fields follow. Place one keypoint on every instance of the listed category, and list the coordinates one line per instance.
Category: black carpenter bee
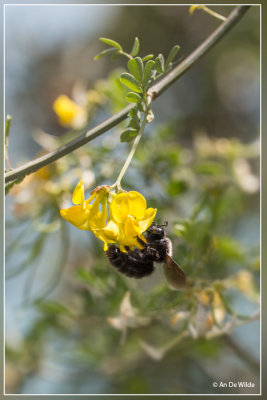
(139, 263)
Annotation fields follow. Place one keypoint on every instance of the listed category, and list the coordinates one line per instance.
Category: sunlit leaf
(111, 43)
(148, 71)
(159, 63)
(148, 57)
(171, 56)
(133, 97)
(130, 81)
(105, 52)
(135, 48)
(135, 66)
(7, 128)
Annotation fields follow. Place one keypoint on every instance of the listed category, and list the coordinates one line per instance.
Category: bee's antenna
(165, 224)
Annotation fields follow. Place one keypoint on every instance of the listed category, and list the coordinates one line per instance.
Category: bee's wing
(174, 274)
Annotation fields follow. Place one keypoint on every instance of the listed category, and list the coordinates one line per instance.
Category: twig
(154, 91)
(169, 79)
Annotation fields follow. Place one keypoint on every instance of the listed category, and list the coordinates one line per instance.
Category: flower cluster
(113, 217)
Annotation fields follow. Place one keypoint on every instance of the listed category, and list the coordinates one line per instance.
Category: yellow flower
(84, 215)
(128, 219)
(124, 222)
(69, 113)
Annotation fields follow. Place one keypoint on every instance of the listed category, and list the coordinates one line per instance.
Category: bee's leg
(152, 253)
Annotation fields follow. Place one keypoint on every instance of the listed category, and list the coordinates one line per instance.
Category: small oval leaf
(148, 57)
(159, 63)
(161, 60)
(130, 81)
(111, 43)
(105, 52)
(135, 66)
(171, 56)
(135, 48)
(148, 72)
(133, 97)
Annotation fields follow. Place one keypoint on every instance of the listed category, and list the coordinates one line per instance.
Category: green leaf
(135, 48)
(130, 81)
(133, 97)
(135, 66)
(171, 56)
(105, 52)
(148, 57)
(128, 135)
(159, 63)
(7, 127)
(148, 71)
(111, 43)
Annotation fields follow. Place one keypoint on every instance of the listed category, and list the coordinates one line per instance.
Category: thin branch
(169, 79)
(154, 92)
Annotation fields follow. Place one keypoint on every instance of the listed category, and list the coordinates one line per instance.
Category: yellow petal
(147, 219)
(66, 109)
(137, 204)
(77, 216)
(78, 194)
(132, 228)
(105, 246)
(130, 234)
(108, 234)
(120, 207)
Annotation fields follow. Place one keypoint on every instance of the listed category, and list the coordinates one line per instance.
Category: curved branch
(154, 91)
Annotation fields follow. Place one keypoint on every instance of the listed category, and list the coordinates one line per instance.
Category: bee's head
(156, 232)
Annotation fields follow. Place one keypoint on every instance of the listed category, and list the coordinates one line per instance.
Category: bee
(140, 263)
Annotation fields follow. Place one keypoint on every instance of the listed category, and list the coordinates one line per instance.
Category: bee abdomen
(132, 264)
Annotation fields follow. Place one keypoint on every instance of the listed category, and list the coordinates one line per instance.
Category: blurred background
(72, 324)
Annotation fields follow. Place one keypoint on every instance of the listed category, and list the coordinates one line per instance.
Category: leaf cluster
(142, 72)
